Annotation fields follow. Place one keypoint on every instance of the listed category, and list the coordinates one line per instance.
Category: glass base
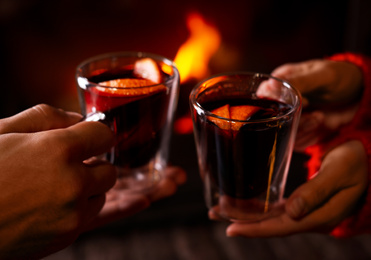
(137, 180)
(245, 211)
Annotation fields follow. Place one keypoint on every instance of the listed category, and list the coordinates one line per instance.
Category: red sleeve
(358, 129)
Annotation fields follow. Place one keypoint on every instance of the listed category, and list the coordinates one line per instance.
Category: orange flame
(193, 56)
(192, 59)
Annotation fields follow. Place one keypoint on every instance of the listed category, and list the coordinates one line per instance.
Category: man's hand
(48, 193)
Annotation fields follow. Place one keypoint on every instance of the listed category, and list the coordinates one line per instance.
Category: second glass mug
(244, 126)
(141, 117)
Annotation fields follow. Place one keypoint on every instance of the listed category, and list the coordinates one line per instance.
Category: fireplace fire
(192, 60)
(194, 55)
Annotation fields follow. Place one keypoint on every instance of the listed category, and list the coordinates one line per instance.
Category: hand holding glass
(135, 94)
(244, 126)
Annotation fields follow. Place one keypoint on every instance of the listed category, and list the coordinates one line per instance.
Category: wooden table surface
(177, 228)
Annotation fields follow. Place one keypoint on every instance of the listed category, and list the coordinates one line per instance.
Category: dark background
(42, 42)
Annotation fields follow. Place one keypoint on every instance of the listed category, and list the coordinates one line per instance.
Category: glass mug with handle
(135, 94)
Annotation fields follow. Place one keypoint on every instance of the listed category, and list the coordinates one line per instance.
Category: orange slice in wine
(222, 112)
(243, 112)
(129, 87)
(147, 82)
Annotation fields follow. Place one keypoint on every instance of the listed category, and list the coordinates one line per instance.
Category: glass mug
(140, 114)
(244, 127)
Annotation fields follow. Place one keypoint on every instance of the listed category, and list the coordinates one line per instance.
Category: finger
(324, 211)
(125, 203)
(94, 206)
(87, 139)
(269, 89)
(102, 177)
(277, 226)
(285, 71)
(343, 168)
(173, 176)
(121, 205)
(214, 216)
(301, 75)
(309, 131)
(318, 80)
(273, 89)
(311, 78)
(310, 196)
(310, 122)
(177, 174)
(165, 188)
(38, 118)
(322, 220)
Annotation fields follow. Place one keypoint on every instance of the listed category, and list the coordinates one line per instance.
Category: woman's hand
(323, 83)
(330, 91)
(120, 204)
(321, 203)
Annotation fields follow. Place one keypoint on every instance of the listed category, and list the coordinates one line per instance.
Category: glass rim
(125, 54)
(196, 91)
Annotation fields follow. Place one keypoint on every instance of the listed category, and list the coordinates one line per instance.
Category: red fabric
(358, 129)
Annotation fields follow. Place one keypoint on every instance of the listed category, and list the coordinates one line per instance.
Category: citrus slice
(147, 82)
(243, 112)
(147, 68)
(129, 87)
(222, 112)
(114, 93)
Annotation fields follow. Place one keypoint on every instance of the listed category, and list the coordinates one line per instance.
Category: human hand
(120, 203)
(323, 82)
(320, 204)
(329, 89)
(48, 190)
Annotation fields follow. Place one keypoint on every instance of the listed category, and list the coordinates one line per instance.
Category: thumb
(38, 118)
(310, 196)
(343, 169)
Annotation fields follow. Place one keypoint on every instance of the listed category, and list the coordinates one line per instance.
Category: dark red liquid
(238, 160)
(138, 120)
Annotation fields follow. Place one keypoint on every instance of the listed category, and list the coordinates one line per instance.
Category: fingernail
(296, 208)
(75, 115)
(230, 233)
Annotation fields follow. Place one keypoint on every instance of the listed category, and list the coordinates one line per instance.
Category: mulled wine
(244, 127)
(135, 94)
(133, 115)
(239, 159)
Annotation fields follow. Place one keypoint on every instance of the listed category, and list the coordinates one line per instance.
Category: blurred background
(43, 41)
